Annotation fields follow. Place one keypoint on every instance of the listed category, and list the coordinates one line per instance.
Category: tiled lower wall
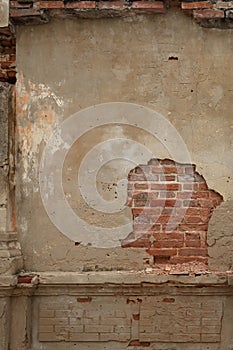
(129, 319)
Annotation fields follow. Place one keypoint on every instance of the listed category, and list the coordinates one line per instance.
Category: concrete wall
(173, 66)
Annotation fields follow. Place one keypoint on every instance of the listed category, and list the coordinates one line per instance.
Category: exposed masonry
(135, 320)
(7, 55)
(208, 13)
(171, 206)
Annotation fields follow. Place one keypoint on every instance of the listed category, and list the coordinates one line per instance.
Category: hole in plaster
(173, 58)
(171, 207)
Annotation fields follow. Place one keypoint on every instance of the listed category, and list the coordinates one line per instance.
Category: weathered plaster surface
(66, 66)
(220, 237)
(4, 323)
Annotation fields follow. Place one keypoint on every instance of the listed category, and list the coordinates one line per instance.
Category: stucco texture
(167, 63)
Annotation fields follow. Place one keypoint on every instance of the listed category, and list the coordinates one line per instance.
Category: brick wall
(171, 207)
(137, 321)
(41, 11)
(7, 55)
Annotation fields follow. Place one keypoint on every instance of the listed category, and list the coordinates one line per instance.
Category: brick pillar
(10, 253)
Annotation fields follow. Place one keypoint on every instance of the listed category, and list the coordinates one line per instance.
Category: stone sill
(123, 278)
(132, 278)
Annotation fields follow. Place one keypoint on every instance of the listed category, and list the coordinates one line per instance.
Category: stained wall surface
(175, 67)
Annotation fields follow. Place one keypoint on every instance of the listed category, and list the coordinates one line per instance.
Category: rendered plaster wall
(165, 62)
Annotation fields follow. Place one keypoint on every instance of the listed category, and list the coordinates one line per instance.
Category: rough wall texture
(220, 238)
(207, 13)
(7, 55)
(135, 320)
(181, 72)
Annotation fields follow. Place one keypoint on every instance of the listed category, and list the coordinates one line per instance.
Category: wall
(100, 278)
(174, 66)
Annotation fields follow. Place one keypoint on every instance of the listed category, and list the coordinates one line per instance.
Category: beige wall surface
(167, 63)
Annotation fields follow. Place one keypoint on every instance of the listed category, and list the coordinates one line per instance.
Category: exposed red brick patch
(7, 59)
(171, 211)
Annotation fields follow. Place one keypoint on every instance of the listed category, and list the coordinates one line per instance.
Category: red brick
(167, 177)
(203, 203)
(157, 5)
(81, 5)
(5, 65)
(173, 203)
(158, 186)
(146, 211)
(84, 299)
(185, 259)
(166, 161)
(141, 186)
(153, 195)
(163, 219)
(192, 227)
(184, 195)
(224, 5)
(169, 236)
(193, 252)
(193, 244)
(48, 4)
(16, 4)
(192, 219)
(170, 170)
(157, 203)
(196, 5)
(168, 244)
(157, 170)
(24, 13)
(24, 279)
(206, 14)
(200, 194)
(140, 195)
(167, 194)
(192, 236)
(162, 252)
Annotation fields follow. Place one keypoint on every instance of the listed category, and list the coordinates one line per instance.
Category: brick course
(39, 11)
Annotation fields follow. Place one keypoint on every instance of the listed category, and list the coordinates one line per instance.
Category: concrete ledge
(131, 278)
